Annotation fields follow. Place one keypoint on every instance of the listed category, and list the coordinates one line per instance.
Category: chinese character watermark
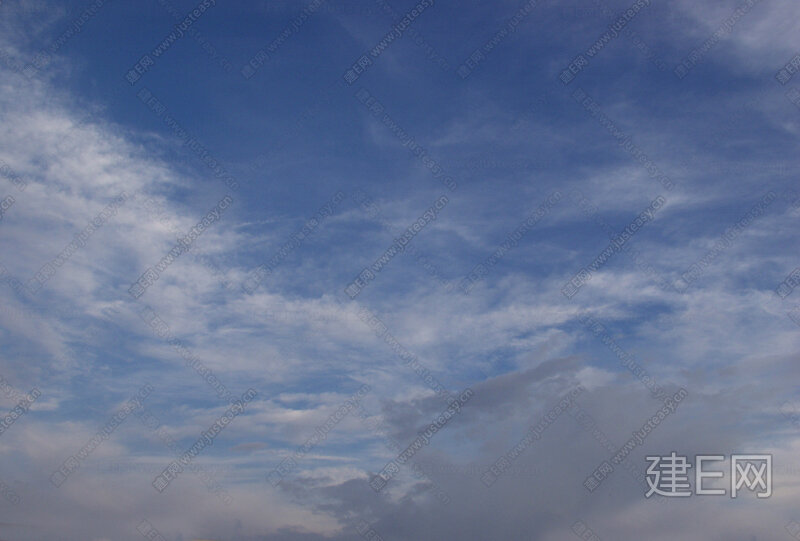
(669, 475)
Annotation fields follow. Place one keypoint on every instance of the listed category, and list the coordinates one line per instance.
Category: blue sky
(473, 92)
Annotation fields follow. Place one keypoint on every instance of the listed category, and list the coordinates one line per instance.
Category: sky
(305, 271)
